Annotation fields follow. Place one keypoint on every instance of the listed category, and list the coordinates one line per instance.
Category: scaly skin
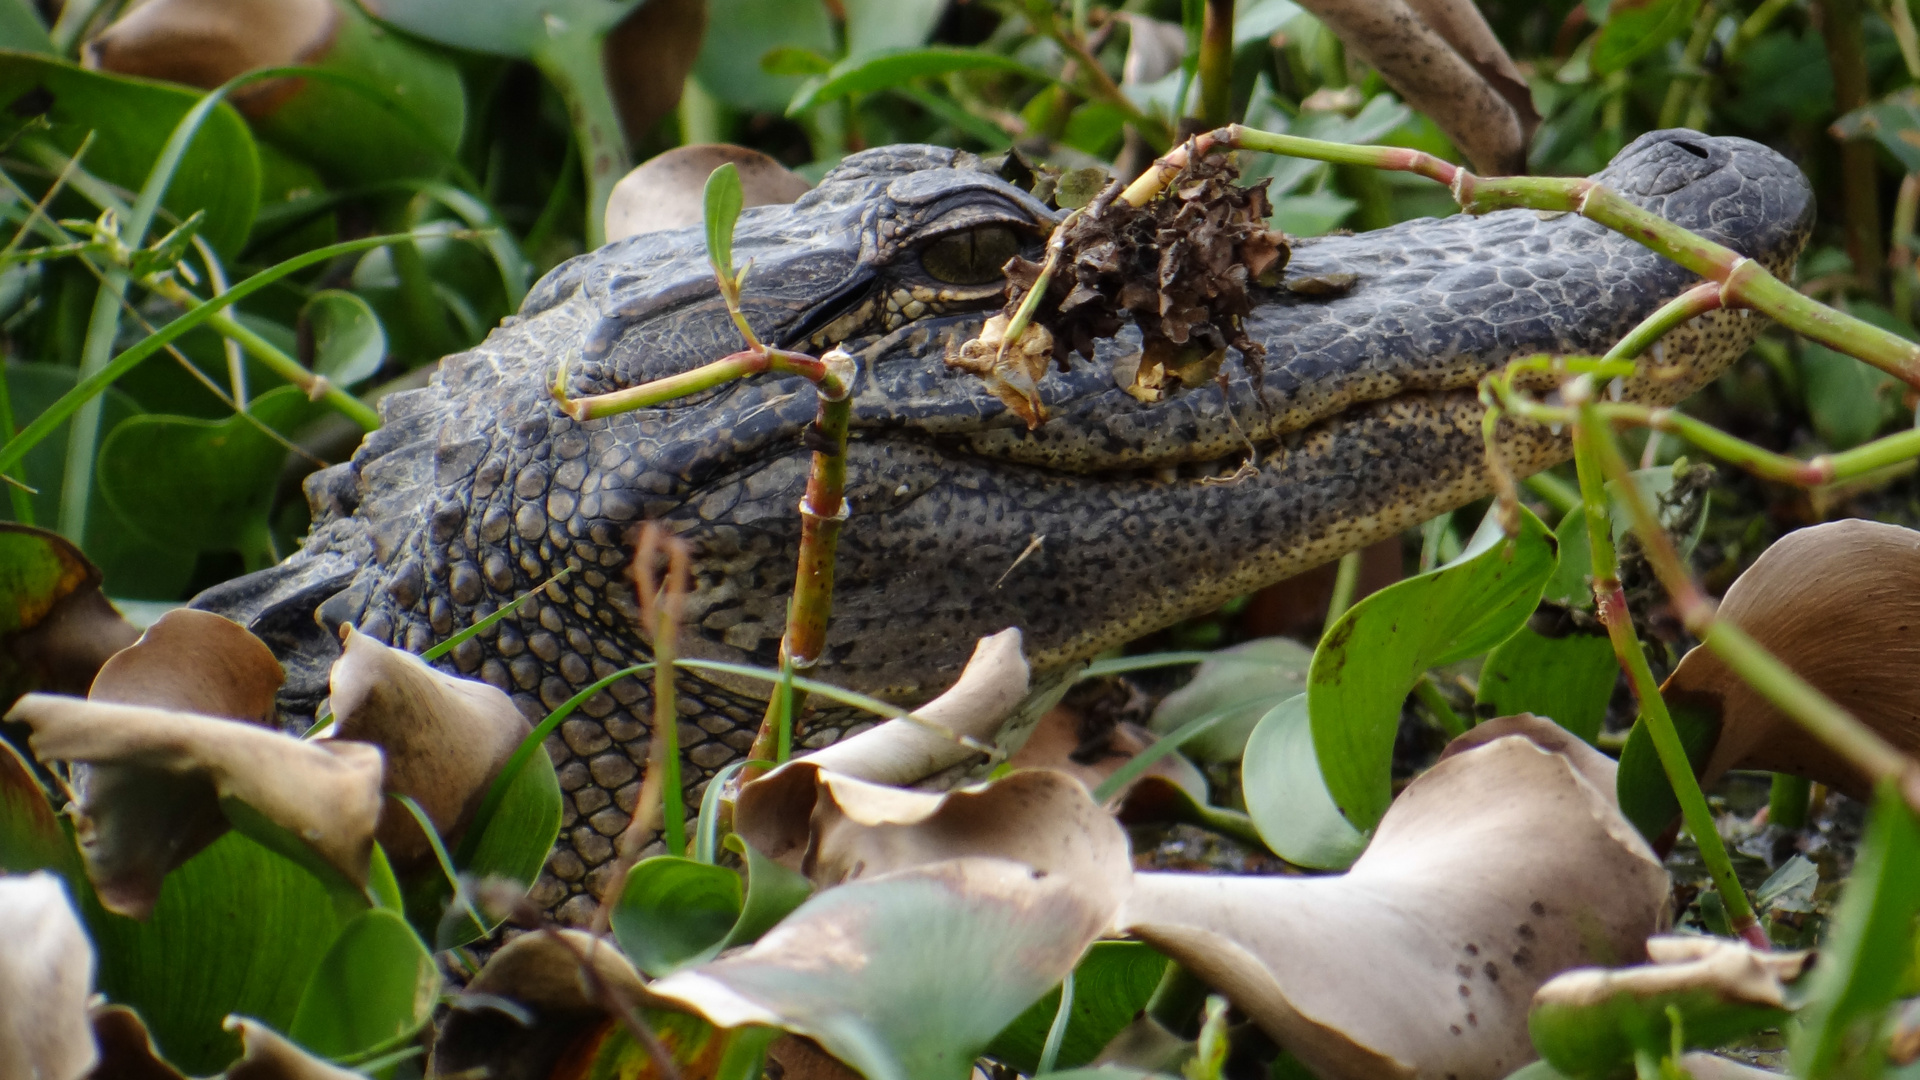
(478, 489)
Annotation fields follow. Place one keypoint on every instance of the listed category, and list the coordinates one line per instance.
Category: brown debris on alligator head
(1182, 268)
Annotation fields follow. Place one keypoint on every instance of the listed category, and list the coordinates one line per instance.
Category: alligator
(1115, 518)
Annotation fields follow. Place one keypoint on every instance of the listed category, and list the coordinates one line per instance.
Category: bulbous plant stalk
(1742, 282)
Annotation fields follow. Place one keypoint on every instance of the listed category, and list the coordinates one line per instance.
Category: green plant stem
(1900, 257)
(1787, 801)
(1611, 606)
(90, 387)
(571, 60)
(1900, 18)
(665, 749)
(1673, 109)
(294, 372)
(1845, 35)
(1216, 64)
(83, 438)
(673, 387)
(1858, 744)
(1346, 581)
(1057, 1031)
(1436, 703)
(1157, 134)
(1743, 282)
(1556, 492)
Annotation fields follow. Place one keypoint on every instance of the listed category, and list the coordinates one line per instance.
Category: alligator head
(1115, 518)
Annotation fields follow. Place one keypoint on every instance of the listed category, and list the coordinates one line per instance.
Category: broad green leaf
(1110, 985)
(1312, 215)
(1370, 659)
(1637, 27)
(348, 342)
(238, 929)
(152, 468)
(21, 28)
(864, 74)
(130, 564)
(729, 64)
(877, 25)
(376, 984)
(1847, 401)
(1250, 679)
(32, 836)
(1567, 679)
(37, 570)
(1572, 582)
(517, 835)
(909, 974)
(1646, 798)
(675, 911)
(1868, 947)
(1598, 1040)
(132, 120)
(697, 1048)
(1287, 797)
(503, 27)
(773, 892)
(377, 106)
(1893, 122)
(789, 60)
(722, 200)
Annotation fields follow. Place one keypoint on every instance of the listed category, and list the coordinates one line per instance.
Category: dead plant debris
(1182, 268)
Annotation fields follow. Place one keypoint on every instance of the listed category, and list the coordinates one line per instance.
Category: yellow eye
(973, 257)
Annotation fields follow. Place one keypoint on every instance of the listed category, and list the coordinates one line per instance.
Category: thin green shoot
(460, 899)
(706, 830)
(1057, 1031)
(481, 625)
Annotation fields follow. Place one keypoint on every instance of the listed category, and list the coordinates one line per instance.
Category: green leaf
(376, 106)
(32, 836)
(865, 74)
(1370, 659)
(130, 564)
(674, 912)
(376, 985)
(503, 27)
(878, 25)
(1249, 679)
(132, 119)
(773, 892)
(1637, 27)
(1847, 401)
(1572, 582)
(348, 342)
(154, 468)
(1567, 679)
(1287, 796)
(1110, 985)
(729, 66)
(1868, 947)
(21, 29)
(791, 60)
(1646, 798)
(1893, 122)
(722, 200)
(1599, 1039)
(237, 929)
(522, 829)
(909, 974)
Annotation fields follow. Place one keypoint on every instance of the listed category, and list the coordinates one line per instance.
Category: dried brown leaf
(46, 977)
(1840, 604)
(127, 1051)
(1011, 370)
(152, 797)
(668, 191)
(1732, 970)
(903, 752)
(445, 738)
(204, 43)
(267, 1055)
(198, 662)
(60, 629)
(1056, 744)
(1497, 869)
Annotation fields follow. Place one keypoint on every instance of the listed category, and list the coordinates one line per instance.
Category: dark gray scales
(478, 488)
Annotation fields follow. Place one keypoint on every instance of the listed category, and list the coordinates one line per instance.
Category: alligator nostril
(1690, 148)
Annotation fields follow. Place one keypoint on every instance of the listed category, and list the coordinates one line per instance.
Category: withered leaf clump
(1181, 268)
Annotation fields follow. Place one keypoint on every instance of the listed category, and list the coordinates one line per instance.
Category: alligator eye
(973, 257)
